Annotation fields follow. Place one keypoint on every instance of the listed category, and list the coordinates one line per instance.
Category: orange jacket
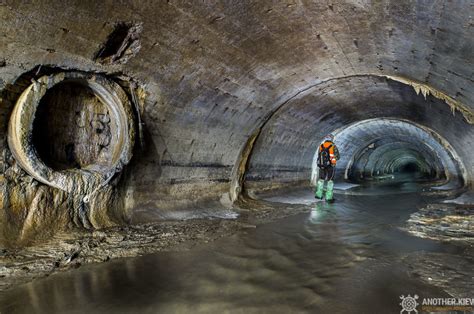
(333, 153)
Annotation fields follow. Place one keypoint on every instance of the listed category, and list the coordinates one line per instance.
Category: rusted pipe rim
(20, 131)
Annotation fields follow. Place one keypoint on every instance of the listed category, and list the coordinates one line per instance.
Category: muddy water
(346, 257)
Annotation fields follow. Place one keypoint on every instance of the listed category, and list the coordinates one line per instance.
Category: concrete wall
(213, 72)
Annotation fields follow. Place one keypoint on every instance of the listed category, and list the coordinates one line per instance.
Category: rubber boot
(329, 191)
(319, 189)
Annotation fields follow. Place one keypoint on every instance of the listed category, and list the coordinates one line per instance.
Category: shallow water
(344, 257)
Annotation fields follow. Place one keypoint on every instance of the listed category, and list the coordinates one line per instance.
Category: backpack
(324, 159)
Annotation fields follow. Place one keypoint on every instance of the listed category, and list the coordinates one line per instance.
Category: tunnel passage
(439, 141)
(72, 128)
(381, 149)
(212, 78)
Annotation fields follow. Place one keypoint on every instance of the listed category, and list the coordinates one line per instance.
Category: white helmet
(329, 137)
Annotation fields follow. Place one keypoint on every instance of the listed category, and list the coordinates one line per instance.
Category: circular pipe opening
(72, 128)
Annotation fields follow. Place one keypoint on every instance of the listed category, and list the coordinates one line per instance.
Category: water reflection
(341, 257)
(321, 211)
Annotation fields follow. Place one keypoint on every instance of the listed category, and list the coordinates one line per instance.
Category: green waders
(329, 190)
(320, 190)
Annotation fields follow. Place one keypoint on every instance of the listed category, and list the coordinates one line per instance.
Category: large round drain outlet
(72, 128)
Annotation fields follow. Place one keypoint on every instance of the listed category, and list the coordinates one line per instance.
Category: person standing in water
(328, 154)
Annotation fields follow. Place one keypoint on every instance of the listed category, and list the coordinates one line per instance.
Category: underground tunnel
(167, 157)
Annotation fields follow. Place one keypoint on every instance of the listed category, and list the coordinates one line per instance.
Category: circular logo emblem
(409, 303)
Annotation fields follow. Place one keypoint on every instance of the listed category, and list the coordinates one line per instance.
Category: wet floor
(345, 257)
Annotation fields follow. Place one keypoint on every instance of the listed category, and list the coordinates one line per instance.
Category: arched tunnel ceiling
(379, 161)
(286, 145)
(214, 71)
(370, 146)
(286, 45)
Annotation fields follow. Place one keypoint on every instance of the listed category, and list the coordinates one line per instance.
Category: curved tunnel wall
(214, 71)
(283, 153)
(380, 146)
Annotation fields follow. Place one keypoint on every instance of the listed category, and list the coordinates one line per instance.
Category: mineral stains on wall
(70, 135)
(232, 96)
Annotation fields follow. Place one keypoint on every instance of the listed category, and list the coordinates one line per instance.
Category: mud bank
(450, 220)
(72, 249)
(444, 222)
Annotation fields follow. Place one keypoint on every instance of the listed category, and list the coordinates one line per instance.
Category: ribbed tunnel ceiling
(377, 147)
(285, 148)
(214, 74)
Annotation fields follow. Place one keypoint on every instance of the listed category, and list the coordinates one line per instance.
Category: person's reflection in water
(324, 223)
(321, 212)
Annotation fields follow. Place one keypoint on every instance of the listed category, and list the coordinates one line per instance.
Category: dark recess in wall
(121, 44)
(71, 128)
(12, 92)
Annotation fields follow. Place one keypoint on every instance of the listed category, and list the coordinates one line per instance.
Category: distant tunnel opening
(386, 130)
(377, 150)
(409, 168)
(413, 171)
